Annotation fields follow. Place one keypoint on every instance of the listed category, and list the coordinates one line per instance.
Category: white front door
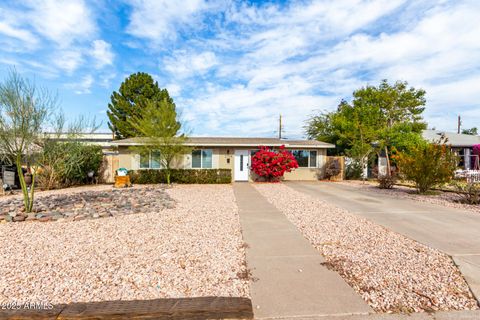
(241, 165)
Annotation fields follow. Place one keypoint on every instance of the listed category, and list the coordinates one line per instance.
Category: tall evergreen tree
(134, 93)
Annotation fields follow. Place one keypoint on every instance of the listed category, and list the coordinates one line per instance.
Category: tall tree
(158, 123)
(25, 111)
(387, 115)
(133, 94)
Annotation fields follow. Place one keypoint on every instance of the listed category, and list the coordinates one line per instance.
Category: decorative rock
(80, 217)
(19, 218)
(92, 204)
(45, 219)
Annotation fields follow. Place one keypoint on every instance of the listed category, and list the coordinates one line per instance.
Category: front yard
(178, 242)
(390, 271)
(148, 242)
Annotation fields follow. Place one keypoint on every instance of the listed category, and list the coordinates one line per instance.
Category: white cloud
(311, 56)
(17, 33)
(82, 87)
(14, 36)
(68, 60)
(57, 29)
(184, 64)
(102, 53)
(62, 21)
(106, 79)
(174, 89)
(157, 20)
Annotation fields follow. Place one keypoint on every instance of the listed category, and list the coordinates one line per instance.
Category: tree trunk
(167, 175)
(32, 194)
(23, 185)
(389, 170)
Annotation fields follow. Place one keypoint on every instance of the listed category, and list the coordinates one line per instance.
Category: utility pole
(459, 124)
(280, 127)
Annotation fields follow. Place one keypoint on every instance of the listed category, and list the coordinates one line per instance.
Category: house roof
(454, 139)
(102, 139)
(236, 142)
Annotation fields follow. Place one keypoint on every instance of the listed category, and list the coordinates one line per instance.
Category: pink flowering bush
(272, 165)
(476, 149)
(476, 156)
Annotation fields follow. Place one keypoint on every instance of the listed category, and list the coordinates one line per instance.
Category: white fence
(470, 175)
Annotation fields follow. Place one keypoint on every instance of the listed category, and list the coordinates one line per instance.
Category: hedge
(191, 176)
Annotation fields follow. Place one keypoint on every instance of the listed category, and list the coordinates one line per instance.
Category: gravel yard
(446, 199)
(193, 248)
(391, 272)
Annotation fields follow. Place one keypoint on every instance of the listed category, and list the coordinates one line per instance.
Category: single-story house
(461, 144)
(102, 139)
(230, 153)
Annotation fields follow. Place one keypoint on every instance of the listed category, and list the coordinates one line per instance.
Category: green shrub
(469, 192)
(353, 169)
(387, 181)
(427, 165)
(183, 176)
(64, 164)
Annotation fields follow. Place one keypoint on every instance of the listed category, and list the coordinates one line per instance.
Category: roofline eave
(323, 146)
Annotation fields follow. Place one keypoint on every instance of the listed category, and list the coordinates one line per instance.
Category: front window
(150, 160)
(202, 159)
(313, 158)
(305, 158)
(144, 160)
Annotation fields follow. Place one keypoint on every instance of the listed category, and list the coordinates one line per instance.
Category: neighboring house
(101, 139)
(462, 144)
(231, 153)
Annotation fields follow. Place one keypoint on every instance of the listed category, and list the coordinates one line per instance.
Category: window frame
(309, 157)
(150, 160)
(202, 151)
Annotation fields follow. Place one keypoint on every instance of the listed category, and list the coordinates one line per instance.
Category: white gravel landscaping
(192, 249)
(391, 272)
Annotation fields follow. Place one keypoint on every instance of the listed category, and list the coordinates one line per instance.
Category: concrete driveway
(449, 230)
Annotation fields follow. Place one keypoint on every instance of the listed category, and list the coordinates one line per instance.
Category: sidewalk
(289, 278)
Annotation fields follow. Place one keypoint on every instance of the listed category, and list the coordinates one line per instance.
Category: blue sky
(233, 66)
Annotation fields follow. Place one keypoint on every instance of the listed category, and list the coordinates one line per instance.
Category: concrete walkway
(449, 230)
(289, 279)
